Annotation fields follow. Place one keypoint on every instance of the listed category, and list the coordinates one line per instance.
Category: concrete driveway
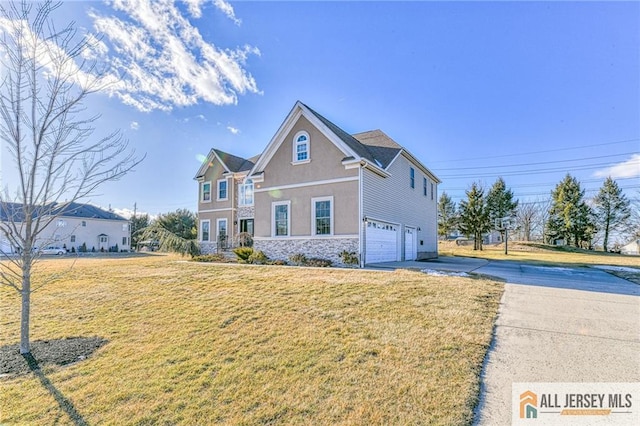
(554, 325)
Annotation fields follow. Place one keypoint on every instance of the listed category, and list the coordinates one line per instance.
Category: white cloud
(227, 10)
(626, 169)
(134, 125)
(233, 130)
(159, 60)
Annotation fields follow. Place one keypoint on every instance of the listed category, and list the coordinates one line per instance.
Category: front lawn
(190, 343)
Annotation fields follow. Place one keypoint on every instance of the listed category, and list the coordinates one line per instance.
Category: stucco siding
(393, 200)
(324, 159)
(345, 208)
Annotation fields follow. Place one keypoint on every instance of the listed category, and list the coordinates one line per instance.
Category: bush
(318, 263)
(244, 239)
(83, 248)
(258, 258)
(278, 262)
(217, 257)
(243, 253)
(298, 259)
(349, 257)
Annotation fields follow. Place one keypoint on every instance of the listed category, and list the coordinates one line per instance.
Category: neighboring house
(631, 248)
(317, 190)
(77, 226)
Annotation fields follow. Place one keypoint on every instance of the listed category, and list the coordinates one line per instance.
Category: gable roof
(231, 163)
(15, 211)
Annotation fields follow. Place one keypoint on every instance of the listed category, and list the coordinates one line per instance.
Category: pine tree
(612, 209)
(500, 203)
(570, 217)
(474, 215)
(447, 217)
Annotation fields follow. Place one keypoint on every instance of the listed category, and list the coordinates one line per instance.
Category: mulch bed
(57, 352)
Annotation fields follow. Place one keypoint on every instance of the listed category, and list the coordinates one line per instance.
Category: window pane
(323, 217)
(205, 231)
(412, 176)
(281, 220)
(206, 192)
(222, 189)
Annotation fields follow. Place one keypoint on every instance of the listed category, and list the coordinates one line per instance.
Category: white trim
(294, 148)
(242, 192)
(308, 237)
(226, 209)
(202, 222)
(202, 200)
(305, 184)
(218, 189)
(275, 204)
(313, 215)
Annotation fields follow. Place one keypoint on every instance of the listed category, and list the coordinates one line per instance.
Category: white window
(281, 218)
(301, 147)
(223, 193)
(412, 177)
(432, 190)
(104, 239)
(322, 216)
(125, 227)
(61, 223)
(206, 191)
(84, 223)
(424, 186)
(124, 241)
(222, 228)
(246, 193)
(204, 230)
(73, 238)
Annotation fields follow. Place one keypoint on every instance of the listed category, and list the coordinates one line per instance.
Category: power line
(538, 163)
(540, 152)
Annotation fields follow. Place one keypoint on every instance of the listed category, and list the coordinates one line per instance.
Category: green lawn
(214, 343)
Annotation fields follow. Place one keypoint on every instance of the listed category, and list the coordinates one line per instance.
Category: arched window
(246, 193)
(301, 148)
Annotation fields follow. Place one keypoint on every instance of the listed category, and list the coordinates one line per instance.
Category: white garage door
(381, 242)
(410, 244)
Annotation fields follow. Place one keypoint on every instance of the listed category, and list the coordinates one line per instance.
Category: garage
(381, 242)
(410, 247)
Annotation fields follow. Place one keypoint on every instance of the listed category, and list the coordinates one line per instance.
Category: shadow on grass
(65, 404)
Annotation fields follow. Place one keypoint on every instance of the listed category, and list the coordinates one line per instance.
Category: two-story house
(72, 226)
(318, 190)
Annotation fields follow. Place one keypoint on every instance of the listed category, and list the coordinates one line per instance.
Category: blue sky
(524, 90)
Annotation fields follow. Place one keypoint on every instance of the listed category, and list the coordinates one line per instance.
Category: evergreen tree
(569, 216)
(137, 224)
(500, 203)
(181, 223)
(474, 215)
(447, 217)
(612, 209)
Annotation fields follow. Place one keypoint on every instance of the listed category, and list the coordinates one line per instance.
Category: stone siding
(323, 248)
(246, 212)
(208, 248)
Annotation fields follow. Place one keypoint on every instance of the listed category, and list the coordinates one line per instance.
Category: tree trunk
(25, 346)
(606, 236)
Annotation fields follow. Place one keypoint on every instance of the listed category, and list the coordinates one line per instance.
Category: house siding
(402, 204)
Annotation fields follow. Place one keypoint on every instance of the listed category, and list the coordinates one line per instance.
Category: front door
(246, 225)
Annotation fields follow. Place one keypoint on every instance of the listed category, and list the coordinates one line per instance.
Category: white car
(53, 250)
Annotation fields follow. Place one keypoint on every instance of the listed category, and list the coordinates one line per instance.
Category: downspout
(361, 217)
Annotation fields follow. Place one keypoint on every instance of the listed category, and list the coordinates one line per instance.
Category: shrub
(244, 239)
(83, 248)
(217, 257)
(73, 249)
(349, 257)
(298, 259)
(278, 262)
(319, 263)
(258, 258)
(243, 253)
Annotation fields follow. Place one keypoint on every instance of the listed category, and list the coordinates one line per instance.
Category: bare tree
(45, 78)
(526, 217)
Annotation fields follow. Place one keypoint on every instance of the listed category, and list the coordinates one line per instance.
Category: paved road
(554, 325)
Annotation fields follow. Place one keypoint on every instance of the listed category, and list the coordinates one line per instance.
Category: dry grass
(540, 253)
(210, 343)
